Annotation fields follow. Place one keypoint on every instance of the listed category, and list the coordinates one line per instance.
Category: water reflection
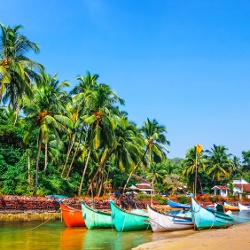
(54, 235)
(241, 217)
(72, 238)
(82, 238)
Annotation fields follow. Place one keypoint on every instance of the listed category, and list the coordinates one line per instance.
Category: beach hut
(240, 186)
(143, 185)
(220, 190)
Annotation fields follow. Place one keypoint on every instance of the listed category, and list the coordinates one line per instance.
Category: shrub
(163, 202)
(157, 197)
(141, 196)
(183, 200)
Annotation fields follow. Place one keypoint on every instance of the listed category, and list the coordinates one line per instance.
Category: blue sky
(184, 63)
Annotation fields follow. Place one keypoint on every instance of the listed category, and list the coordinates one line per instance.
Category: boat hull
(228, 207)
(243, 207)
(165, 222)
(125, 221)
(72, 217)
(204, 218)
(96, 219)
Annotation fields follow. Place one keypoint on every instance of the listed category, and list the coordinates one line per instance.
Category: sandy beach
(235, 237)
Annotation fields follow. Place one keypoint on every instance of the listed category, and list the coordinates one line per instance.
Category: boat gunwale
(94, 210)
(169, 215)
(68, 208)
(127, 211)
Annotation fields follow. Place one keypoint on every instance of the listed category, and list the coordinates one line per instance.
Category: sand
(235, 237)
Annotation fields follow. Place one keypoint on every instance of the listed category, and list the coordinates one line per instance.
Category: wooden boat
(204, 218)
(72, 217)
(178, 205)
(230, 207)
(127, 221)
(165, 222)
(95, 218)
(243, 207)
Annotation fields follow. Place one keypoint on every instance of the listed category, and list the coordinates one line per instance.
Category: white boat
(243, 207)
(166, 222)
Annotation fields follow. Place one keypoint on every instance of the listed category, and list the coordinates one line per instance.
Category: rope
(124, 221)
(39, 225)
(29, 228)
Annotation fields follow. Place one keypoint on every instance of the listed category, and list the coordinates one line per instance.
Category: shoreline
(235, 237)
(8, 216)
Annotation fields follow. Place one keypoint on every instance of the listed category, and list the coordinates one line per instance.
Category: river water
(54, 235)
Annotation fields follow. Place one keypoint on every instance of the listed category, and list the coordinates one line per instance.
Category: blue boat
(204, 218)
(178, 205)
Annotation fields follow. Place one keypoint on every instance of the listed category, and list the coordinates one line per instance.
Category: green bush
(183, 200)
(157, 197)
(163, 202)
(141, 196)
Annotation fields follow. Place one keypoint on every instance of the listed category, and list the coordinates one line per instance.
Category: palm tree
(128, 148)
(72, 134)
(246, 160)
(155, 141)
(156, 173)
(7, 115)
(189, 166)
(129, 144)
(101, 119)
(219, 165)
(85, 84)
(46, 113)
(16, 70)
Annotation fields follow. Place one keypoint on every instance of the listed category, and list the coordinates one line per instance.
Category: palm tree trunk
(153, 189)
(107, 177)
(29, 175)
(37, 164)
(101, 184)
(17, 113)
(83, 173)
(74, 156)
(95, 175)
(105, 156)
(67, 156)
(1, 96)
(199, 178)
(46, 156)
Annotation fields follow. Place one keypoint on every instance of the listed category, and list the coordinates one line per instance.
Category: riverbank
(235, 237)
(30, 216)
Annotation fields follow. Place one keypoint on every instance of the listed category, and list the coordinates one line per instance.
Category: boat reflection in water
(73, 237)
(82, 238)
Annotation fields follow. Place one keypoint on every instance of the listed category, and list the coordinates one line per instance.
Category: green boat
(96, 219)
(205, 218)
(126, 221)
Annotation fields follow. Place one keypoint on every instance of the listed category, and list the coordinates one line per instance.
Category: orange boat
(72, 217)
(230, 207)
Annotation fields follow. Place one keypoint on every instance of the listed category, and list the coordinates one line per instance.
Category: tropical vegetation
(58, 139)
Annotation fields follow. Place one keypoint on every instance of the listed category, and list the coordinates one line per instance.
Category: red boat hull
(72, 217)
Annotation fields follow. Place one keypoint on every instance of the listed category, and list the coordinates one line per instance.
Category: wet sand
(235, 237)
